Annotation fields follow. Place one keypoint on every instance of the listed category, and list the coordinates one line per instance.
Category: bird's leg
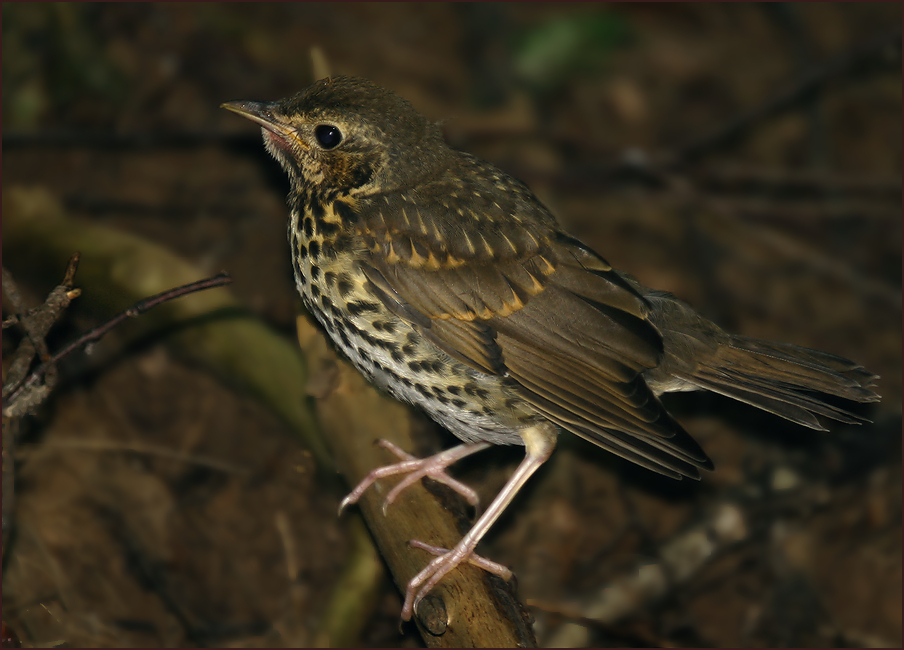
(480, 562)
(417, 468)
(539, 441)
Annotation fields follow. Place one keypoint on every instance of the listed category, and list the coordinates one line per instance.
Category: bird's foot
(417, 468)
(446, 561)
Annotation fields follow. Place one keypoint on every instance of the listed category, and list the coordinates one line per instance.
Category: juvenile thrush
(449, 285)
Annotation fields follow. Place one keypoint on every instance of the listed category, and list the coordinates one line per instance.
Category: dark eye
(328, 136)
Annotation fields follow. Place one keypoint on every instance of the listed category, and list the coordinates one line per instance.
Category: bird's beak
(262, 113)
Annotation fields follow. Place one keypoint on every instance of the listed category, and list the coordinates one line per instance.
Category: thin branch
(71, 268)
(98, 332)
(140, 307)
(36, 323)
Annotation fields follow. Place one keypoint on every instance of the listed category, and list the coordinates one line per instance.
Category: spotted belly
(394, 356)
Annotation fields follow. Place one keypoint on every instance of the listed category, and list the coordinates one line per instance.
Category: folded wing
(538, 306)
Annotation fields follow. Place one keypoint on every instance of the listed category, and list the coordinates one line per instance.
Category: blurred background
(746, 157)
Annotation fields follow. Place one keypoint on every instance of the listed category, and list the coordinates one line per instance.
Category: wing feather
(496, 285)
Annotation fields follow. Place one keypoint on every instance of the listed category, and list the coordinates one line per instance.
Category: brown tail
(784, 379)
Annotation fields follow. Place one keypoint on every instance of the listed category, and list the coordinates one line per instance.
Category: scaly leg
(417, 468)
(539, 441)
(480, 562)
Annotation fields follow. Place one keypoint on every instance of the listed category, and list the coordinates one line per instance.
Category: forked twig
(49, 364)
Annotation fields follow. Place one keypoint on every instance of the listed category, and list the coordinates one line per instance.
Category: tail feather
(784, 379)
(811, 369)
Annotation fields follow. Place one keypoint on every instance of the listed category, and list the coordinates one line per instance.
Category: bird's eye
(328, 136)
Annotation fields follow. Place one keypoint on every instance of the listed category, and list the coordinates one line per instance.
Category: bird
(449, 285)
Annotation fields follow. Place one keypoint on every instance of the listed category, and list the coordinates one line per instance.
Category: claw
(539, 443)
(416, 468)
(479, 561)
(447, 561)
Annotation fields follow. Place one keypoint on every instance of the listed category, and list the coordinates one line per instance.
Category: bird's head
(348, 135)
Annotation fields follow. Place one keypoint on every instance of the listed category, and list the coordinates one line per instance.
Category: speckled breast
(388, 350)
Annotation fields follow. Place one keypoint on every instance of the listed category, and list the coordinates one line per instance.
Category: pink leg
(539, 441)
(480, 562)
(417, 468)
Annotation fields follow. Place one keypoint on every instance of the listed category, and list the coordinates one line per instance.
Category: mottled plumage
(448, 284)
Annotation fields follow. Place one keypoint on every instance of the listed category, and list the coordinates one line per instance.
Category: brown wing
(536, 305)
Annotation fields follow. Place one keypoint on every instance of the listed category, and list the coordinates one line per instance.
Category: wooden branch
(469, 608)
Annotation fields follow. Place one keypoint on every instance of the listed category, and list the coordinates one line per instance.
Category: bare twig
(98, 332)
(269, 366)
(21, 394)
(36, 323)
(142, 306)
